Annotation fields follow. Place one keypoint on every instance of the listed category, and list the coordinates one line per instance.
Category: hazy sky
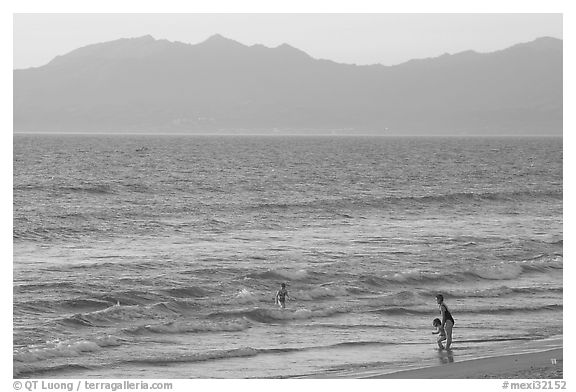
(349, 38)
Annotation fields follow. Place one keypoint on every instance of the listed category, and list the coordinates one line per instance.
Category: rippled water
(159, 256)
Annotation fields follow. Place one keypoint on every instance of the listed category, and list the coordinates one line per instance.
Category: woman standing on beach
(447, 319)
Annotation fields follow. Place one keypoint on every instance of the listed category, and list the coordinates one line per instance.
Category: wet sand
(537, 365)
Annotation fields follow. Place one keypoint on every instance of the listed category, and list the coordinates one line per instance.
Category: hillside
(220, 85)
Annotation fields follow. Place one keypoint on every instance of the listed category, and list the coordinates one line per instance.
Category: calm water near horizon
(142, 256)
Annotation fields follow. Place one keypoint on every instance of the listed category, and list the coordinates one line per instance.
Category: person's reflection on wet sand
(445, 356)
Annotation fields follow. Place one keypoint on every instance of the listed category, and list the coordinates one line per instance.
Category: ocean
(141, 256)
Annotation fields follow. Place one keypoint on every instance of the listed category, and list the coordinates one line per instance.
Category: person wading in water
(281, 296)
(447, 319)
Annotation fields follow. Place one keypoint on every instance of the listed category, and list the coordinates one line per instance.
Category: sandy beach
(538, 365)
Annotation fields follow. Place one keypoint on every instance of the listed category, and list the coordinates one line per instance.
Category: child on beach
(436, 323)
(281, 296)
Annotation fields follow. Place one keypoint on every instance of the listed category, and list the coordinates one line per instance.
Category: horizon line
(79, 133)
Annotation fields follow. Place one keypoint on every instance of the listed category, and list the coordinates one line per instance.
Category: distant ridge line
(220, 85)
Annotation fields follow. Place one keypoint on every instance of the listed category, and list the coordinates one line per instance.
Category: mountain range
(222, 86)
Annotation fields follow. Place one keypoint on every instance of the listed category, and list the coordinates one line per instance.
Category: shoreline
(533, 365)
(529, 360)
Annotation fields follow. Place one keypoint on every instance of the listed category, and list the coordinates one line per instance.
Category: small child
(281, 296)
(436, 323)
